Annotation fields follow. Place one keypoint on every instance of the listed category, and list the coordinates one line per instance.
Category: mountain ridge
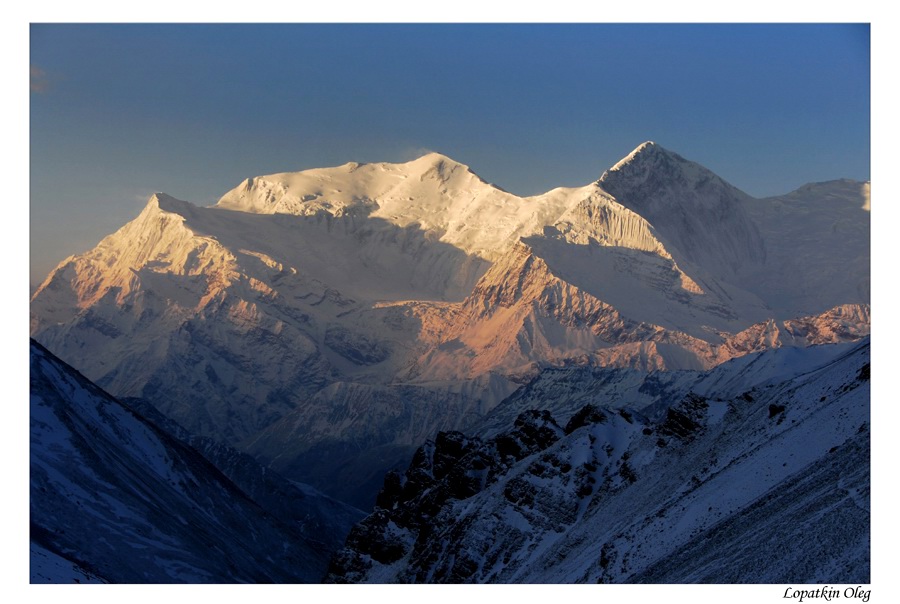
(116, 495)
(231, 317)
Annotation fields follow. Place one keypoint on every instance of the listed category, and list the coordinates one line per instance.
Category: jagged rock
(588, 415)
(606, 500)
(685, 419)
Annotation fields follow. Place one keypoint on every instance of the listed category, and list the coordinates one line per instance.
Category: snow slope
(115, 498)
(771, 486)
(801, 231)
(564, 391)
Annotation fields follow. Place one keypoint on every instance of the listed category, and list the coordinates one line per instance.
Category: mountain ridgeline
(122, 496)
(329, 321)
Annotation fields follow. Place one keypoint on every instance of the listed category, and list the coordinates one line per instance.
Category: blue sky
(121, 111)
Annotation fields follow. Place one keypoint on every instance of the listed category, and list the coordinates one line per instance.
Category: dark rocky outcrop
(452, 466)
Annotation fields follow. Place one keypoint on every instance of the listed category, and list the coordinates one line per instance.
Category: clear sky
(121, 111)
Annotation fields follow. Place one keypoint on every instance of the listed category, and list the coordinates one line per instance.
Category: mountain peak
(647, 153)
(436, 160)
(435, 156)
(442, 167)
(646, 145)
(650, 165)
(694, 210)
(167, 203)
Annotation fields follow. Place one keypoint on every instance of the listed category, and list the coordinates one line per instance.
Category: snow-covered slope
(550, 303)
(801, 231)
(116, 498)
(702, 489)
(318, 517)
(564, 391)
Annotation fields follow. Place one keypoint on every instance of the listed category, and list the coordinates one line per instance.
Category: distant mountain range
(329, 321)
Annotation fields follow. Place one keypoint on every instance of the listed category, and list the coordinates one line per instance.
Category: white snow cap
(646, 145)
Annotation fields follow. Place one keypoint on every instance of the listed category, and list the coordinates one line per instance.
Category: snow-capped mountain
(364, 307)
(117, 498)
(692, 209)
(768, 486)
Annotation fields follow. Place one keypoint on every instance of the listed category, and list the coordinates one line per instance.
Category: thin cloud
(142, 197)
(39, 82)
(414, 153)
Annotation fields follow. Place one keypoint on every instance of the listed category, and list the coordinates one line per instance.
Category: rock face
(452, 467)
(698, 489)
(117, 498)
(381, 303)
